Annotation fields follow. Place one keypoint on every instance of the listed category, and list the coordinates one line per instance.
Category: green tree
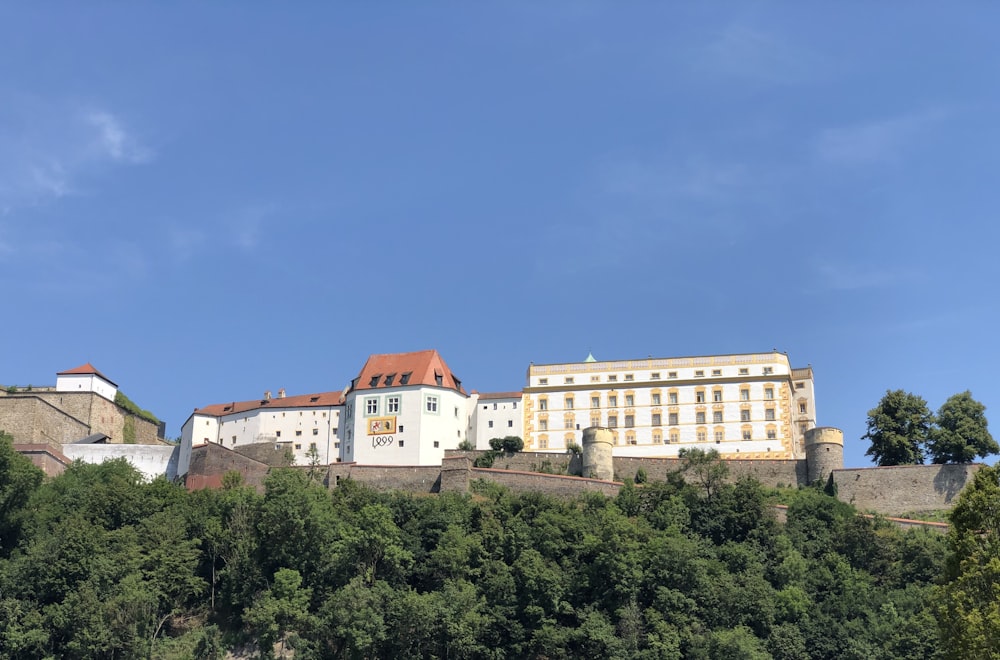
(898, 428)
(968, 603)
(18, 480)
(705, 468)
(961, 433)
(281, 609)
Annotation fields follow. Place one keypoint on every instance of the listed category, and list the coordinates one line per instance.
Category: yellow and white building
(752, 405)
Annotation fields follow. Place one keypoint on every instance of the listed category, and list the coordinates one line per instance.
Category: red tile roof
(418, 368)
(321, 400)
(85, 369)
(499, 395)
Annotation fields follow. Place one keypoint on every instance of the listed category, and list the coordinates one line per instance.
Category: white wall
(151, 460)
(86, 383)
(496, 418)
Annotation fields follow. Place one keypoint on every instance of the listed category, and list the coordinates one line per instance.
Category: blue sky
(210, 200)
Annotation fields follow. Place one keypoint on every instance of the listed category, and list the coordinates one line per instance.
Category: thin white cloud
(875, 141)
(113, 140)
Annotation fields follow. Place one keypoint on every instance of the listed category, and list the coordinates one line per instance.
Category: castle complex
(406, 421)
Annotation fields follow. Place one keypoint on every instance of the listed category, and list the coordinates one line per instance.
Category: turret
(824, 452)
(597, 462)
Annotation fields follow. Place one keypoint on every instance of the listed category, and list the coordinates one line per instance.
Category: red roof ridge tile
(84, 370)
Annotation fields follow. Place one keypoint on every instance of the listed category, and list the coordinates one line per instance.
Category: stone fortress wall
(44, 415)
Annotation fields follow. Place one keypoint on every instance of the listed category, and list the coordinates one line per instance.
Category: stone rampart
(210, 463)
(551, 484)
(264, 452)
(151, 460)
(903, 488)
(31, 419)
(414, 479)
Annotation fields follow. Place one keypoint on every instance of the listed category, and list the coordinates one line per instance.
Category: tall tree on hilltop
(961, 432)
(898, 428)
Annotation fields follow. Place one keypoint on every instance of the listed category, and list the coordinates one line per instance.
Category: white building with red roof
(306, 425)
(404, 409)
(86, 378)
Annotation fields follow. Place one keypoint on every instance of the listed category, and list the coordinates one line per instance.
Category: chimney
(281, 392)
(267, 395)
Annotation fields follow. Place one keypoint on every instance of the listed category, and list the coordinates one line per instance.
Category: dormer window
(374, 381)
(405, 378)
(389, 379)
(438, 378)
(313, 399)
(227, 409)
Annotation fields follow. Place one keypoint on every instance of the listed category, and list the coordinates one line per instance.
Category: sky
(211, 200)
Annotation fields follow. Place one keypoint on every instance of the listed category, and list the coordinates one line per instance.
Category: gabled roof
(499, 395)
(390, 370)
(320, 400)
(85, 370)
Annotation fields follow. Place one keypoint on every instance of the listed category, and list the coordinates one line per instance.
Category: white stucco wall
(496, 418)
(86, 383)
(151, 460)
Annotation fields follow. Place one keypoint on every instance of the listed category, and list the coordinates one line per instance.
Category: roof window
(405, 378)
(374, 381)
(389, 379)
(313, 399)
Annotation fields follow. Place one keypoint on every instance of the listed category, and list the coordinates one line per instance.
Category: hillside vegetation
(97, 564)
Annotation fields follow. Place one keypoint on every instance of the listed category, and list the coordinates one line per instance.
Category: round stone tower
(597, 444)
(824, 452)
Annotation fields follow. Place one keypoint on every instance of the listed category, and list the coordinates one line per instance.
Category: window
(297, 433)
(744, 415)
(629, 377)
(672, 398)
(374, 381)
(768, 392)
(768, 371)
(719, 436)
(672, 419)
(629, 400)
(629, 421)
(277, 434)
(612, 401)
(234, 439)
(717, 396)
(772, 434)
(298, 445)
(456, 412)
(655, 375)
(510, 423)
(744, 395)
(543, 381)
(401, 443)
(656, 419)
(392, 405)
(489, 424)
(657, 438)
(699, 397)
(570, 423)
(436, 444)
(612, 421)
(405, 378)
(671, 374)
(514, 405)
(595, 402)
(702, 436)
(595, 379)
(675, 436)
(388, 380)
(371, 406)
(431, 404)
(747, 434)
(699, 418)
(699, 374)
(717, 417)
(799, 386)
(336, 445)
(769, 414)
(543, 425)
(656, 398)
(612, 378)
(569, 403)
(569, 380)
(716, 372)
(543, 404)
(744, 371)
(802, 408)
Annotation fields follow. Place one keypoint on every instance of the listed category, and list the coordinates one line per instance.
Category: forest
(95, 563)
